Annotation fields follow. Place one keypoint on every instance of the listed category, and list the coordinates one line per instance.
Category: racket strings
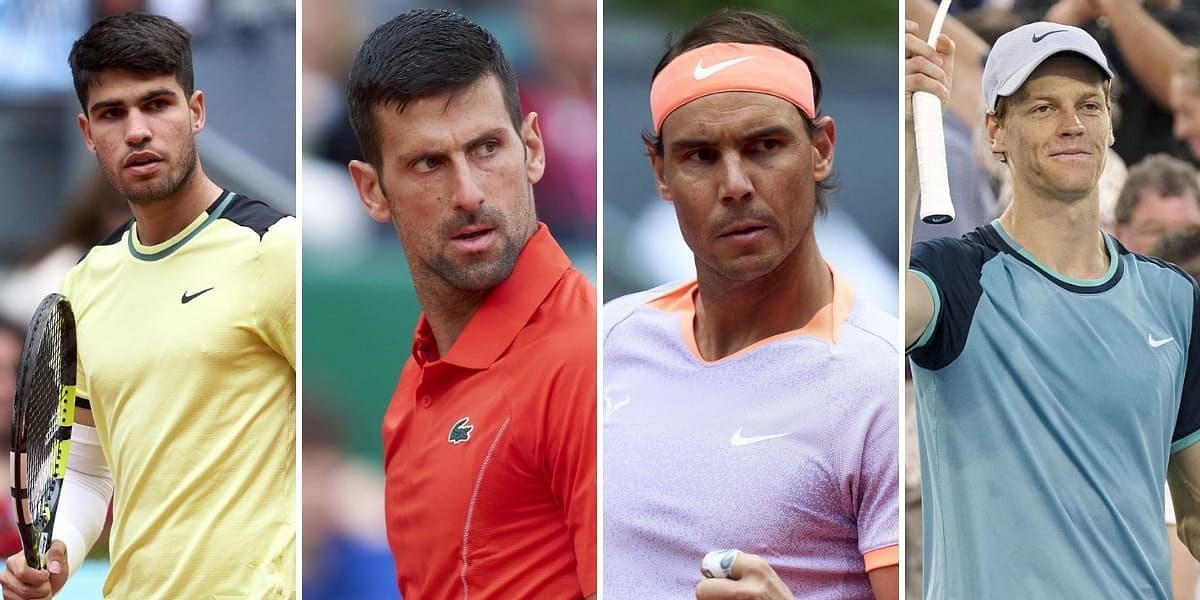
(41, 420)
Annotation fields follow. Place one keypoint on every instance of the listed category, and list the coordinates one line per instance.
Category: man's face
(1056, 130)
(142, 129)
(1185, 107)
(741, 170)
(456, 181)
(1156, 216)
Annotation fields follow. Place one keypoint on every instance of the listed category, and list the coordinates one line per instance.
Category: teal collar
(169, 247)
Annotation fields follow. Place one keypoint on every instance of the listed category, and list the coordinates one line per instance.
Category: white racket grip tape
(936, 206)
(718, 564)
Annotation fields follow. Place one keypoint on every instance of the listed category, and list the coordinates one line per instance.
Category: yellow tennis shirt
(187, 354)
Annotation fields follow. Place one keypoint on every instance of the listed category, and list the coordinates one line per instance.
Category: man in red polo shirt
(489, 441)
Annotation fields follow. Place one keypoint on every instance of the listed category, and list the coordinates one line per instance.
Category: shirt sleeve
(82, 395)
(276, 310)
(1187, 423)
(878, 501)
(950, 268)
(570, 458)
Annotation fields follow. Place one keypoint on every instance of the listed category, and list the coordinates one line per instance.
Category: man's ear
(824, 139)
(995, 134)
(85, 127)
(199, 112)
(658, 163)
(370, 190)
(535, 149)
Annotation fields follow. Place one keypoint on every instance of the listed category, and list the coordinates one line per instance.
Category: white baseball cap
(1017, 53)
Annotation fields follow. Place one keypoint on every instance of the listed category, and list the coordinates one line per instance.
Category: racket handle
(936, 207)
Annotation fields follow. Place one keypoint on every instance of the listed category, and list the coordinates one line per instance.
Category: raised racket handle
(936, 207)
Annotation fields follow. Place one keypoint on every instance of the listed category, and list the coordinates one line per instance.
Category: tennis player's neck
(447, 311)
(159, 221)
(1064, 237)
(730, 317)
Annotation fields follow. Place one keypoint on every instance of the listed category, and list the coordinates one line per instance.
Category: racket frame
(36, 529)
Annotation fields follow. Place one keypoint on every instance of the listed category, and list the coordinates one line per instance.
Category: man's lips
(741, 228)
(141, 158)
(1071, 152)
(467, 233)
(473, 239)
(141, 164)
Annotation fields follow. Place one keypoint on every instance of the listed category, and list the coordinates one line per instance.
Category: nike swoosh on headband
(701, 73)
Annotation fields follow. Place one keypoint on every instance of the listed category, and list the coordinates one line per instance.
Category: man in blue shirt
(1057, 373)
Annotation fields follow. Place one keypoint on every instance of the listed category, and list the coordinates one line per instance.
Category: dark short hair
(419, 54)
(744, 26)
(139, 42)
(1166, 174)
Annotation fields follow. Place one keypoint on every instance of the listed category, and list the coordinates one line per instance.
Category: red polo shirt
(490, 451)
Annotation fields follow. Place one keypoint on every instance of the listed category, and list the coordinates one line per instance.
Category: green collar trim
(215, 214)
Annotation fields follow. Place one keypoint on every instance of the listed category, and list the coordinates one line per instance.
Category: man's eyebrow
(419, 155)
(160, 91)
(688, 144)
(116, 102)
(768, 131)
(698, 142)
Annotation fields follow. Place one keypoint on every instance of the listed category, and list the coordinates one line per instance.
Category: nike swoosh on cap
(703, 72)
(1037, 38)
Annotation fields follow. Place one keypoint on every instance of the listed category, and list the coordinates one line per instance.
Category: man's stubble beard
(153, 192)
(482, 275)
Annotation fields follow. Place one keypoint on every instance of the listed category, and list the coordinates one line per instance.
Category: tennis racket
(936, 206)
(43, 412)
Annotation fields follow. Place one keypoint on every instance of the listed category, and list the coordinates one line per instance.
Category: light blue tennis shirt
(1047, 408)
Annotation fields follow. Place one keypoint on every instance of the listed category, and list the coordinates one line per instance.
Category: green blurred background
(867, 19)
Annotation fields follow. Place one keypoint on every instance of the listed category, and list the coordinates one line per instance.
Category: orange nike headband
(728, 67)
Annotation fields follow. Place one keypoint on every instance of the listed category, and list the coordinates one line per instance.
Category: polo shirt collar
(506, 308)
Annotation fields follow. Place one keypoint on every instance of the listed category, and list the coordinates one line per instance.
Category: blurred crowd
(1149, 191)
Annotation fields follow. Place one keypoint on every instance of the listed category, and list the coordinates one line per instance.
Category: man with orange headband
(754, 408)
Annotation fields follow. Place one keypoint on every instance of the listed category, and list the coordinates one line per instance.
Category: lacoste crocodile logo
(460, 432)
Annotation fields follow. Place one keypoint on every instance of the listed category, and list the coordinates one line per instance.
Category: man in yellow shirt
(186, 325)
